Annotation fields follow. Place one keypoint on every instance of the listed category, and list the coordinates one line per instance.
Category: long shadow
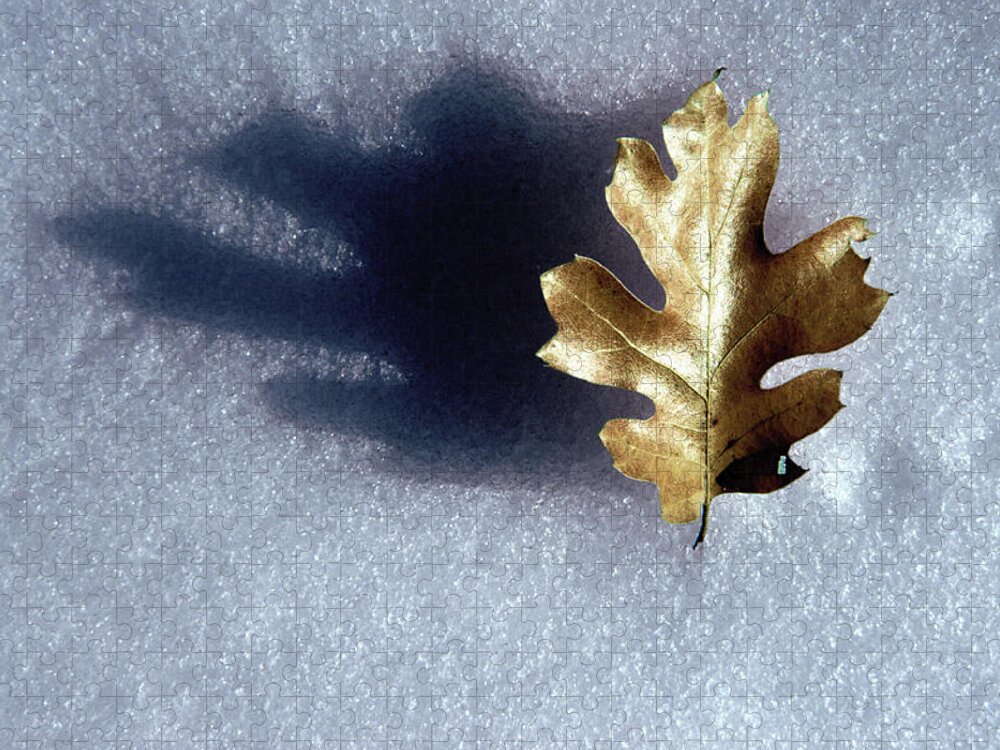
(454, 228)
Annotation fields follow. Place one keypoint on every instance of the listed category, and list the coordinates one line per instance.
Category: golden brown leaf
(732, 311)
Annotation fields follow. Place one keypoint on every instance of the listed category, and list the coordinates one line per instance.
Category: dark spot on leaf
(759, 472)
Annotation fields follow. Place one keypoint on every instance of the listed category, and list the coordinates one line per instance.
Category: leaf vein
(629, 341)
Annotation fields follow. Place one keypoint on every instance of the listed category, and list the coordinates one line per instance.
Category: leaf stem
(704, 526)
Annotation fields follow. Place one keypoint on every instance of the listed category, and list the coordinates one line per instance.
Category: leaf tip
(544, 352)
(762, 97)
(718, 72)
(866, 231)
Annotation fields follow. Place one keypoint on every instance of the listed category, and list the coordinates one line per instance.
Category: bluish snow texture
(279, 466)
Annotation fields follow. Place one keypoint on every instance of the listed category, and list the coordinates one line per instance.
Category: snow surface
(279, 465)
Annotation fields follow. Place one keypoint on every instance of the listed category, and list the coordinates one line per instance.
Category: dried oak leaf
(733, 309)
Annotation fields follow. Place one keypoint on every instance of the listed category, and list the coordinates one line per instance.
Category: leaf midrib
(709, 369)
